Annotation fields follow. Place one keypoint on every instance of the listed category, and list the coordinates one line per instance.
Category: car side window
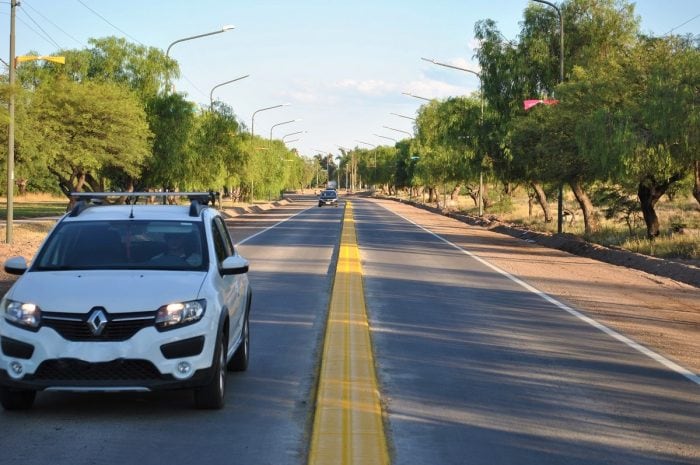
(222, 240)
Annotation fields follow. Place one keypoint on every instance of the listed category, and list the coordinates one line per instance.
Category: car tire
(239, 361)
(211, 396)
(12, 399)
(320, 204)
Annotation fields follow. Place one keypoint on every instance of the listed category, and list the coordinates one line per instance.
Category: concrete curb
(232, 212)
(680, 272)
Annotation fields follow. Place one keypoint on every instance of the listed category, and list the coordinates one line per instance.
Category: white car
(127, 298)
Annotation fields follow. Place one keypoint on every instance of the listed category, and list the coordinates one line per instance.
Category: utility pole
(11, 129)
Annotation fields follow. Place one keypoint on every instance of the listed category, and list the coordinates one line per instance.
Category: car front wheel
(211, 396)
(239, 361)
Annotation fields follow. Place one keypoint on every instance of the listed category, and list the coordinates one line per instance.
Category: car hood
(115, 290)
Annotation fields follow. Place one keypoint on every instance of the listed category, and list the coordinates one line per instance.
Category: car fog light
(16, 369)
(184, 369)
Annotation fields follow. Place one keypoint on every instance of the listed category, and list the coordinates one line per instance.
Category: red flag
(527, 104)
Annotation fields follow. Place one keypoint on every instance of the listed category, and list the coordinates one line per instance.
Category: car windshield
(329, 194)
(109, 245)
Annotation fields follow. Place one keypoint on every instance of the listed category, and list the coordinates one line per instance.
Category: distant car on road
(328, 197)
(127, 298)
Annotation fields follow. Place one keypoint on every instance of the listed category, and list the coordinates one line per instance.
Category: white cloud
(368, 86)
(430, 88)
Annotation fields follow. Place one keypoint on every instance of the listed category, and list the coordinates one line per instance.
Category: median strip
(348, 426)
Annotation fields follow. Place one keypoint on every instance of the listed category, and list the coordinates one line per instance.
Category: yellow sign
(23, 58)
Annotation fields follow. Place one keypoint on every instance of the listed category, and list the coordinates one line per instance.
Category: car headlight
(179, 314)
(23, 314)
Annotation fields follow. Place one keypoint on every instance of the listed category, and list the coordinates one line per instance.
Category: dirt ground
(659, 313)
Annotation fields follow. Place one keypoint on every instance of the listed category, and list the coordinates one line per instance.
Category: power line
(108, 22)
(681, 25)
(25, 12)
(25, 3)
(28, 26)
(194, 86)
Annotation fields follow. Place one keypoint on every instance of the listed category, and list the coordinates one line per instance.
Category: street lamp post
(252, 119)
(327, 157)
(403, 116)
(417, 96)
(223, 29)
(280, 124)
(211, 93)
(399, 130)
(560, 201)
(366, 143)
(292, 134)
(386, 137)
(167, 51)
(11, 128)
(481, 97)
(14, 60)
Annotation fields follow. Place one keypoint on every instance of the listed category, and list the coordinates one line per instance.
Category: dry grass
(679, 219)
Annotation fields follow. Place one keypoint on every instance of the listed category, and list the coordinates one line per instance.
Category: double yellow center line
(348, 426)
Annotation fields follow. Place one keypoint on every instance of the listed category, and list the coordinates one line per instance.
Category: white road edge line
(270, 227)
(610, 332)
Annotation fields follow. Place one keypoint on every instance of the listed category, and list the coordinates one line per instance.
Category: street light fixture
(211, 93)
(398, 130)
(167, 51)
(366, 143)
(417, 96)
(223, 29)
(560, 201)
(481, 96)
(292, 134)
(280, 124)
(252, 119)
(451, 66)
(403, 116)
(386, 137)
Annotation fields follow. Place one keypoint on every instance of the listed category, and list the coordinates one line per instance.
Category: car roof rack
(198, 200)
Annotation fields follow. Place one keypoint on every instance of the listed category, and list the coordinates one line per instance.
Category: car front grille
(117, 371)
(118, 327)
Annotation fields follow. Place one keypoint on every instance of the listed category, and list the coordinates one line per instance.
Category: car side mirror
(16, 265)
(234, 265)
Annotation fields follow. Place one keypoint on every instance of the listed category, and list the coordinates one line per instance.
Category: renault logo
(97, 321)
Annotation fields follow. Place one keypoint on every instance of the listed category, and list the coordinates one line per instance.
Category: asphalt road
(473, 368)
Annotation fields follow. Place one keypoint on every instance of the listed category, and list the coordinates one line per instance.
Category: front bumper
(149, 360)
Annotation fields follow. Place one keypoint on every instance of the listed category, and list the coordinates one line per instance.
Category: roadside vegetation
(619, 134)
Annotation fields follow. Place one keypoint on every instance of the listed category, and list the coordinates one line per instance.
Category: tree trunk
(649, 192)
(488, 203)
(454, 195)
(696, 188)
(591, 222)
(542, 201)
(431, 194)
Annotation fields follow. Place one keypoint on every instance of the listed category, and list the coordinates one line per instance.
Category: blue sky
(342, 65)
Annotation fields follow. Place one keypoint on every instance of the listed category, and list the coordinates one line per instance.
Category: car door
(235, 286)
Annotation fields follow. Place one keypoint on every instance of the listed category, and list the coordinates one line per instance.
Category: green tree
(215, 156)
(84, 130)
(172, 120)
(644, 133)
